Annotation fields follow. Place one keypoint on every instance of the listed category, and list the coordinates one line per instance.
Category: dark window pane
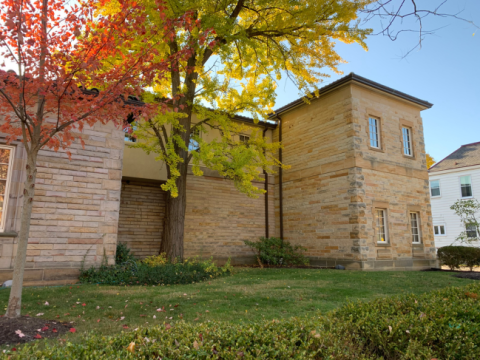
(466, 191)
(442, 230)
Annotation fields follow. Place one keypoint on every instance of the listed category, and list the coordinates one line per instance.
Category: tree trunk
(174, 225)
(15, 301)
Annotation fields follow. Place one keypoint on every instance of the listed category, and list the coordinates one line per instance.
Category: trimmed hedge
(133, 273)
(443, 324)
(456, 256)
(275, 251)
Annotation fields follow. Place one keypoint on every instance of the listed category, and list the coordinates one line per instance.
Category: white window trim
(410, 144)
(379, 141)
(444, 228)
(418, 227)
(8, 185)
(385, 225)
(439, 188)
(460, 186)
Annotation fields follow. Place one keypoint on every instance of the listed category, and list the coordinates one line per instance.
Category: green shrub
(132, 273)
(123, 254)
(455, 256)
(274, 251)
(440, 325)
(156, 260)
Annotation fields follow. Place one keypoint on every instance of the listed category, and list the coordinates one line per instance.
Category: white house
(455, 177)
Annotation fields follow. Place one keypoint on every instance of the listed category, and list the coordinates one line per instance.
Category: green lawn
(249, 295)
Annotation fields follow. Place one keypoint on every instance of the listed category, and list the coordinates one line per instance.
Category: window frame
(378, 133)
(3, 218)
(246, 138)
(439, 232)
(409, 141)
(471, 186)
(419, 230)
(439, 188)
(385, 226)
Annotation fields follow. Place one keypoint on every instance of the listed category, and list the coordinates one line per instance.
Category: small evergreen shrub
(274, 251)
(123, 254)
(156, 260)
(456, 256)
(140, 273)
(443, 324)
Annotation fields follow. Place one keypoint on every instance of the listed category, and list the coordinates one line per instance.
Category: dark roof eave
(359, 79)
(258, 123)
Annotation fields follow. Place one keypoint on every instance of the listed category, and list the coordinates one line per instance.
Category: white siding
(449, 194)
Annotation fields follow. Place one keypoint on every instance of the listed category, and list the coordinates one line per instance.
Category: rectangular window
(471, 231)
(435, 188)
(6, 159)
(439, 230)
(415, 227)
(374, 133)
(244, 138)
(381, 225)
(407, 141)
(466, 186)
(193, 144)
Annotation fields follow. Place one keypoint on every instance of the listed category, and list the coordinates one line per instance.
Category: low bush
(275, 251)
(133, 273)
(440, 325)
(156, 260)
(123, 255)
(456, 256)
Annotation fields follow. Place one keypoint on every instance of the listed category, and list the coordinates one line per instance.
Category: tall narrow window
(6, 158)
(435, 188)
(415, 227)
(407, 141)
(381, 225)
(374, 133)
(466, 186)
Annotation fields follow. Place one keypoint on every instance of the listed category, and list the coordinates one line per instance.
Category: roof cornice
(353, 78)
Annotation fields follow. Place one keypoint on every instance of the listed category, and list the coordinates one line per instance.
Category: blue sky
(445, 72)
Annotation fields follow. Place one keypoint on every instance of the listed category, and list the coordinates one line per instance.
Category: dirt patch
(11, 330)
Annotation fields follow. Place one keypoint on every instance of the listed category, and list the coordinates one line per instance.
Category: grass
(249, 295)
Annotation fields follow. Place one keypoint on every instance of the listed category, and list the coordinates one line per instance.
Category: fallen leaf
(38, 336)
(84, 304)
(131, 347)
(390, 328)
(168, 326)
(39, 314)
(125, 326)
(46, 303)
(20, 333)
(54, 330)
(45, 328)
(195, 345)
(98, 320)
(72, 330)
(154, 317)
(98, 307)
(123, 317)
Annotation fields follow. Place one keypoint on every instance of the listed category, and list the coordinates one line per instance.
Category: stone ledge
(50, 276)
(8, 234)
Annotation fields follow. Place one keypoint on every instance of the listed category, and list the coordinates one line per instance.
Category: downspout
(266, 190)
(280, 177)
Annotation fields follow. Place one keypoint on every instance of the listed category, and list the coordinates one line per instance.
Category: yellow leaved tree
(237, 51)
(430, 161)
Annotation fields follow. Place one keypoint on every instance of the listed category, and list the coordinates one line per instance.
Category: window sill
(435, 197)
(8, 234)
(383, 244)
(466, 197)
(411, 157)
(376, 149)
(417, 245)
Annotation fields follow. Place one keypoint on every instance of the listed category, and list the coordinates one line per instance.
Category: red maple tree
(64, 81)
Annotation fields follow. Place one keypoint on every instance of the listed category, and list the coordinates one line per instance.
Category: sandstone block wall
(142, 212)
(76, 205)
(219, 218)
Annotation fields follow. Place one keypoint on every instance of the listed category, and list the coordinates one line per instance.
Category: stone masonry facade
(76, 208)
(332, 192)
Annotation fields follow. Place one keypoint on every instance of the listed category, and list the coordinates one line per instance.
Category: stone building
(357, 192)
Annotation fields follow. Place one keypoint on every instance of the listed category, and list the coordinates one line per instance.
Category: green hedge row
(456, 256)
(134, 273)
(443, 325)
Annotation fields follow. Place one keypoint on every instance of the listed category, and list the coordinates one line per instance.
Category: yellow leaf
(131, 347)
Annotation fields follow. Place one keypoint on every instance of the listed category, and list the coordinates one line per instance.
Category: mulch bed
(31, 328)
(474, 275)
